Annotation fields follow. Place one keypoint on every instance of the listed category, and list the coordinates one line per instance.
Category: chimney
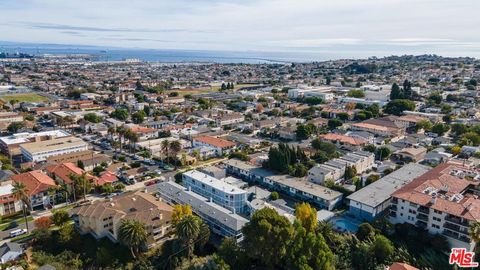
(161, 216)
(210, 199)
(433, 200)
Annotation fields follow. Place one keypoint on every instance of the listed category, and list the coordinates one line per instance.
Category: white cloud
(349, 26)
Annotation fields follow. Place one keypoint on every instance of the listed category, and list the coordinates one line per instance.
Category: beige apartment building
(40, 151)
(102, 218)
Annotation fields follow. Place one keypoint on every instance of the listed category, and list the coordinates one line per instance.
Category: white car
(18, 232)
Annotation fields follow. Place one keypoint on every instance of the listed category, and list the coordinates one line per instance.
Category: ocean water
(168, 56)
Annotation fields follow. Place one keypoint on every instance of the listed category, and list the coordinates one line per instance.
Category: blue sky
(353, 27)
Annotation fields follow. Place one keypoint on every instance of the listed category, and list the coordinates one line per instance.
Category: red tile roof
(140, 129)
(35, 181)
(401, 266)
(106, 178)
(441, 191)
(375, 127)
(343, 139)
(64, 170)
(221, 143)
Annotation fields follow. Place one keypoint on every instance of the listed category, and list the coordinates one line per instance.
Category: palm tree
(20, 192)
(326, 230)
(175, 147)
(133, 139)
(51, 194)
(203, 236)
(166, 147)
(66, 191)
(111, 131)
(121, 133)
(133, 234)
(188, 230)
(80, 182)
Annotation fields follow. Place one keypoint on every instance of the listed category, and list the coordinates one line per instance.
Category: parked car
(18, 232)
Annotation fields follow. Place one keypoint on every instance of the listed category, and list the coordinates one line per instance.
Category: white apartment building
(230, 119)
(222, 221)
(221, 192)
(321, 92)
(9, 145)
(441, 201)
(221, 146)
(8, 203)
(373, 200)
(40, 151)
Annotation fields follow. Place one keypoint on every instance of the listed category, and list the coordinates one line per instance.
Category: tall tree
(133, 234)
(187, 231)
(81, 185)
(398, 106)
(267, 237)
(175, 147)
(396, 93)
(307, 216)
(407, 90)
(121, 133)
(166, 149)
(308, 250)
(20, 192)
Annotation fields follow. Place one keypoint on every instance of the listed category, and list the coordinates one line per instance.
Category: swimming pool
(344, 224)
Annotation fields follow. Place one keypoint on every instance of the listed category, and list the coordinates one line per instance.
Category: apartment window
(437, 212)
(437, 219)
(435, 226)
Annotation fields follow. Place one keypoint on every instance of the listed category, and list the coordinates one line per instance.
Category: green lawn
(26, 97)
(20, 220)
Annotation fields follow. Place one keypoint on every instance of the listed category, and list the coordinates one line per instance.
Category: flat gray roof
(306, 187)
(201, 204)
(381, 190)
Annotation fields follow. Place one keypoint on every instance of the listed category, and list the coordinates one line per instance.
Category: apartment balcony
(393, 207)
(393, 213)
(421, 224)
(422, 217)
(457, 236)
(455, 228)
(423, 210)
(456, 220)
